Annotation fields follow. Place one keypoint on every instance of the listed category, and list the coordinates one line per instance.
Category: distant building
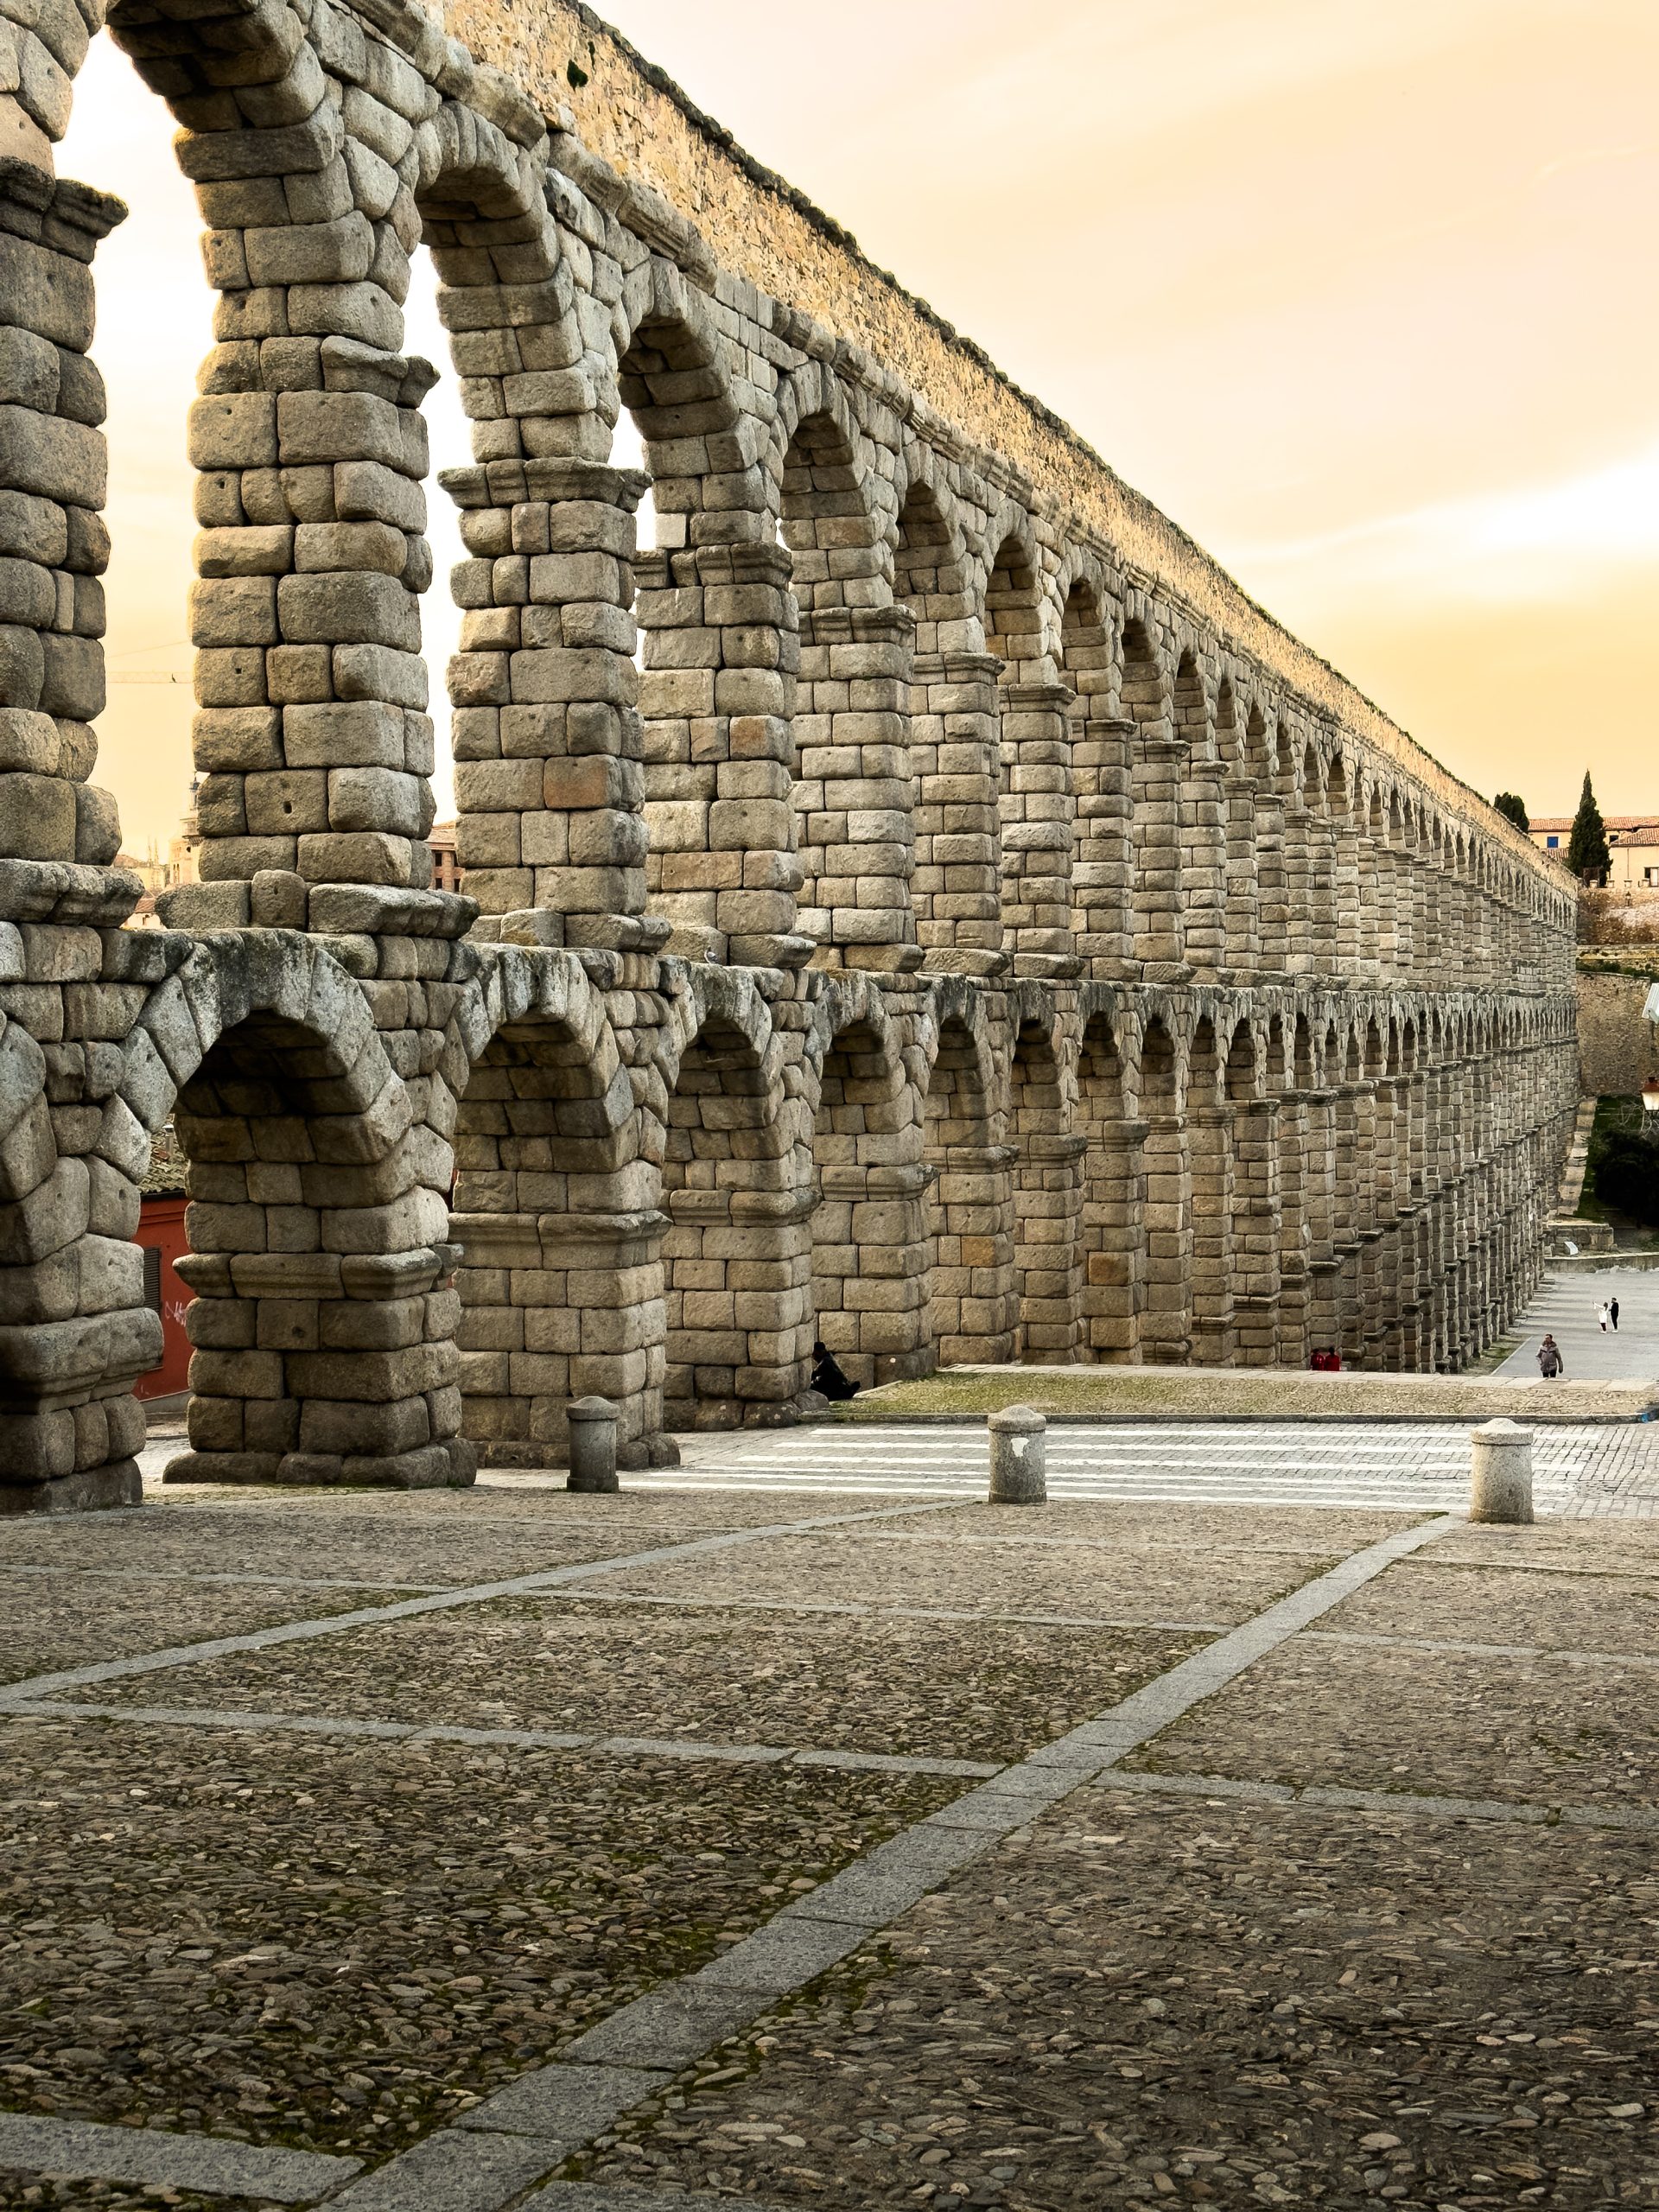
(1632, 841)
(157, 874)
(446, 874)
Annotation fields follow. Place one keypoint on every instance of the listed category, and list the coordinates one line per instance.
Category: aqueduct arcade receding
(916, 901)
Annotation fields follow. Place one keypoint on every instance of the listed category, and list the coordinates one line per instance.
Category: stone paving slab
(1257, 2005)
(1188, 1524)
(82, 2149)
(477, 1536)
(1007, 1576)
(337, 1946)
(1488, 1603)
(1512, 1728)
(60, 1620)
(1578, 1546)
(956, 1690)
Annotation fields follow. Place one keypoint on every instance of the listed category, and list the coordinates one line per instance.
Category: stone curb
(157, 2157)
(1333, 1419)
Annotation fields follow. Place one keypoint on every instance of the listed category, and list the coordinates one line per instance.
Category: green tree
(1512, 807)
(1587, 848)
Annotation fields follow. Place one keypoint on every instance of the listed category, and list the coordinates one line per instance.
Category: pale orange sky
(1362, 296)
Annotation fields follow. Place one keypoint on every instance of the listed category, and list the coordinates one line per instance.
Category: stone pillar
(1422, 911)
(1257, 1231)
(738, 1292)
(324, 1320)
(1048, 1247)
(1166, 1315)
(970, 1310)
(958, 853)
(1102, 873)
(1352, 915)
(1417, 1323)
(1271, 865)
(75, 1108)
(1037, 816)
(1114, 1229)
(1299, 960)
(1323, 954)
(1210, 1144)
(1295, 1242)
(1397, 863)
(549, 776)
(1318, 1198)
(312, 737)
(1368, 1170)
(721, 656)
(1159, 941)
(1383, 1351)
(1254, 875)
(1203, 863)
(1348, 1167)
(853, 794)
(870, 1253)
(557, 1306)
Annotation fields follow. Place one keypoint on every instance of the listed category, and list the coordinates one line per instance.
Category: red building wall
(161, 1232)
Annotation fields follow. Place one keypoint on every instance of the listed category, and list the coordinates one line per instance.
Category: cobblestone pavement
(719, 1847)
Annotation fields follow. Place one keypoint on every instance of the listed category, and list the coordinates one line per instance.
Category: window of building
(1550, 843)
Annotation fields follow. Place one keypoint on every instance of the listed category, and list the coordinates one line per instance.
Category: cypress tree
(1587, 848)
(1512, 807)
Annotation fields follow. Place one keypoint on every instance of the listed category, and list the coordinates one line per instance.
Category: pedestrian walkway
(1610, 1468)
(1565, 1306)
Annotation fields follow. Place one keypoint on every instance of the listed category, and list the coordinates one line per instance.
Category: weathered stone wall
(916, 901)
(1627, 916)
(1618, 1047)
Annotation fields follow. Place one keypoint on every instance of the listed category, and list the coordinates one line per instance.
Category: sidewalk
(1565, 1306)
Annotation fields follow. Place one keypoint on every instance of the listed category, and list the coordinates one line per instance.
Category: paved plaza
(712, 1844)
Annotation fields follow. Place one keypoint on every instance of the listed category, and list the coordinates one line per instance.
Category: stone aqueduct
(918, 901)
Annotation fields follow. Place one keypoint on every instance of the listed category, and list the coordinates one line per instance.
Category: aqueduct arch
(965, 925)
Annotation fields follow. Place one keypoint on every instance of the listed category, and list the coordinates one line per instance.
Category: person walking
(1612, 1313)
(1601, 1316)
(1550, 1359)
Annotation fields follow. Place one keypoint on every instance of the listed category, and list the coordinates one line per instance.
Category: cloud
(1532, 543)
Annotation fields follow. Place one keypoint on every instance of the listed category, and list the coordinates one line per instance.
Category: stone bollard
(593, 1444)
(1017, 1472)
(1500, 1486)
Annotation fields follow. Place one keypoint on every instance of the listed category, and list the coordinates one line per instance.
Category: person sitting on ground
(829, 1379)
(1550, 1359)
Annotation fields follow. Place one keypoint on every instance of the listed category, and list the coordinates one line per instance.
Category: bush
(1626, 1174)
